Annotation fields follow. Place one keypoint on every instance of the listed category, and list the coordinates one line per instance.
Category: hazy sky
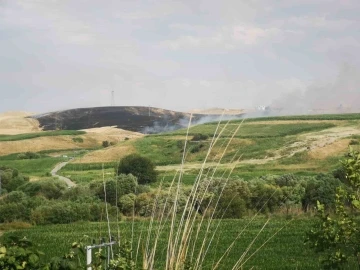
(178, 54)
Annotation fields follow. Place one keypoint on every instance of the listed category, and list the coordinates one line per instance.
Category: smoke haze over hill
(340, 95)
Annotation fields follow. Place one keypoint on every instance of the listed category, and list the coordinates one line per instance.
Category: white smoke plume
(342, 95)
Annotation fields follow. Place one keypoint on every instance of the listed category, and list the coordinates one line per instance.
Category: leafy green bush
(20, 254)
(127, 203)
(196, 148)
(141, 167)
(200, 137)
(336, 237)
(11, 179)
(49, 188)
(115, 188)
(28, 155)
(63, 212)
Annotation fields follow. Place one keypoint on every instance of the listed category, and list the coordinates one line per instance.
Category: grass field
(254, 130)
(284, 251)
(26, 136)
(85, 176)
(33, 167)
(277, 148)
(346, 116)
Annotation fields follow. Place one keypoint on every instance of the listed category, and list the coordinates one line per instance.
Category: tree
(141, 167)
(337, 236)
(115, 188)
(320, 188)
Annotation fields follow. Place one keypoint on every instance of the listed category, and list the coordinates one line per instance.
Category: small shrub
(354, 142)
(29, 155)
(196, 148)
(78, 140)
(126, 139)
(200, 137)
(105, 144)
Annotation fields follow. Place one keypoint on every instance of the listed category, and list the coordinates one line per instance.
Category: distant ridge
(134, 118)
(217, 111)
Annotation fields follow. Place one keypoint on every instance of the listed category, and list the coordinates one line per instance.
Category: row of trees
(50, 201)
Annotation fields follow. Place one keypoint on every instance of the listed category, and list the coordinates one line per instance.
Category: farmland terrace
(133, 118)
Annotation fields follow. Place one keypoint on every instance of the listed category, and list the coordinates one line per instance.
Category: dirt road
(65, 179)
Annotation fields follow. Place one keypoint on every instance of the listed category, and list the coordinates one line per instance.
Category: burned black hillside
(133, 118)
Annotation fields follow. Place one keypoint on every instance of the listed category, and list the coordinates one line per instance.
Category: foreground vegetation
(284, 251)
(189, 219)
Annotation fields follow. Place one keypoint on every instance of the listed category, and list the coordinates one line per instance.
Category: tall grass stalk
(107, 212)
(189, 236)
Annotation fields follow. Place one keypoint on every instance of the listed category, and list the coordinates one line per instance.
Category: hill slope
(280, 143)
(18, 123)
(133, 118)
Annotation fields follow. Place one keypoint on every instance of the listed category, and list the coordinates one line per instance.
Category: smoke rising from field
(184, 122)
(339, 96)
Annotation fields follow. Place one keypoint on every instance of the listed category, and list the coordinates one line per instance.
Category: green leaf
(356, 204)
(2, 251)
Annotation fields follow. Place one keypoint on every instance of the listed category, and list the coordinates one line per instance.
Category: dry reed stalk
(181, 246)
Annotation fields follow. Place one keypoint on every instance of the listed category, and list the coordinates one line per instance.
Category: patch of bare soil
(330, 149)
(321, 144)
(12, 123)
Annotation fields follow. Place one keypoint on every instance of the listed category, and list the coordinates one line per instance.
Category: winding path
(65, 179)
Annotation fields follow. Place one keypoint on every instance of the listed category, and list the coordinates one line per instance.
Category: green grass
(254, 130)
(160, 150)
(285, 251)
(32, 167)
(89, 166)
(346, 116)
(27, 136)
(86, 176)
(164, 151)
(15, 156)
(187, 179)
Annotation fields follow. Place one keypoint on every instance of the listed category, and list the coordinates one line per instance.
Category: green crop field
(284, 251)
(85, 175)
(32, 167)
